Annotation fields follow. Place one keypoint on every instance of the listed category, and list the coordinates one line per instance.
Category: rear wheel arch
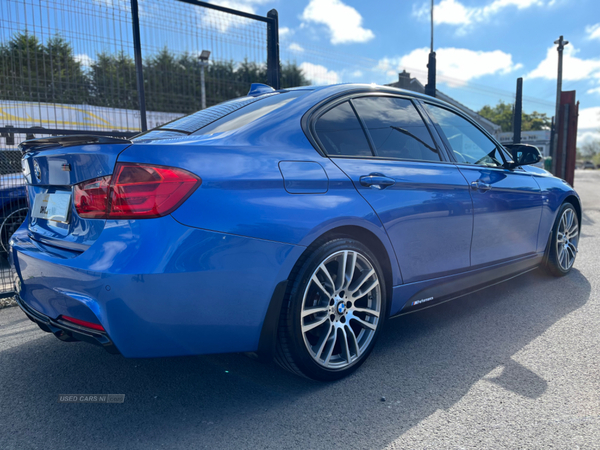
(369, 239)
(268, 336)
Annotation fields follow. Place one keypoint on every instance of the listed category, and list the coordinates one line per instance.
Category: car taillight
(135, 191)
(91, 198)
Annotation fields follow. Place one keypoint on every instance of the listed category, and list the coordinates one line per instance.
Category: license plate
(52, 207)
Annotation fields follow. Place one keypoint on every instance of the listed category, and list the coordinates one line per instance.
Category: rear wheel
(564, 242)
(9, 224)
(334, 312)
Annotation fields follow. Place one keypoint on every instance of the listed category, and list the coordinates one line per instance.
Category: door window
(341, 134)
(396, 128)
(469, 145)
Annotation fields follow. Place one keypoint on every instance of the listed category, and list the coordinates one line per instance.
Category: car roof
(343, 87)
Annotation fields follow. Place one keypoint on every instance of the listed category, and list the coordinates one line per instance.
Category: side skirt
(422, 295)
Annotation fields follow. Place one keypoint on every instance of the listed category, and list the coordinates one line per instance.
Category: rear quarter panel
(243, 192)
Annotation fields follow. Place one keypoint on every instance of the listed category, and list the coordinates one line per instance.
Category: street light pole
(561, 45)
(430, 86)
(203, 63)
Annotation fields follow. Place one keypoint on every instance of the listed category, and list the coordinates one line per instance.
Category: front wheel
(334, 312)
(564, 242)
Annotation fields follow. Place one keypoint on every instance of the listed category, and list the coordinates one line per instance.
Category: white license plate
(52, 207)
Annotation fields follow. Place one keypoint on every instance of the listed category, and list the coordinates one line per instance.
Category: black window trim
(471, 121)
(309, 121)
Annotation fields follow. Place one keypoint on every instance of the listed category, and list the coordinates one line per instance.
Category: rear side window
(341, 134)
(396, 128)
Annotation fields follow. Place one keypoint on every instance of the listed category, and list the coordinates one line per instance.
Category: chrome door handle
(376, 181)
(480, 185)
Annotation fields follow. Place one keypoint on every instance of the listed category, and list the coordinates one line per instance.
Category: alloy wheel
(567, 238)
(341, 309)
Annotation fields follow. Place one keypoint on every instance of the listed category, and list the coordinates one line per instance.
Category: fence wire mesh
(69, 65)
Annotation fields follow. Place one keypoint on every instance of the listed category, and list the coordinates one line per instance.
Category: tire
(10, 223)
(563, 245)
(349, 308)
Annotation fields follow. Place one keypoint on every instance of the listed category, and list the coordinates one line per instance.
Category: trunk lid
(53, 166)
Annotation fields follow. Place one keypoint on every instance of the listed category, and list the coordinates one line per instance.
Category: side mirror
(523, 154)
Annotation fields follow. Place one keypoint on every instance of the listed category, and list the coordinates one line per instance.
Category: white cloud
(294, 47)
(285, 31)
(589, 118)
(84, 60)
(344, 22)
(588, 125)
(319, 74)
(593, 91)
(453, 12)
(593, 31)
(458, 64)
(574, 68)
(222, 21)
(588, 136)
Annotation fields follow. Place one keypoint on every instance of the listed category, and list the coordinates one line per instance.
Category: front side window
(469, 145)
(341, 134)
(396, 128)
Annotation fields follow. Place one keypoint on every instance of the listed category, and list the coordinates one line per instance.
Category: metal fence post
(139, 68)
(273, 68)
(518, 112)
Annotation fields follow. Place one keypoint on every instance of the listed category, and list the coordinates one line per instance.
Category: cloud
(593, 31)
(344, 22)
(293, 47)
(223, 21)
(458, 64)
(587, 136)
(595, 90)
(285, 31)
(84, 60)
(588, 125)
(453, 12)
(589, 118)
(318, 74)
(574, 68)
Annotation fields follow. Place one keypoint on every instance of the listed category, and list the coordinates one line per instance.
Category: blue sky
(482, 46)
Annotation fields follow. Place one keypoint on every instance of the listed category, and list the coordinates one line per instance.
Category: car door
(382, 143)
(507, 204)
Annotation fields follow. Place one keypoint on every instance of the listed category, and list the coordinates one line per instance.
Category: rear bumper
(157, 287)
(66, 331)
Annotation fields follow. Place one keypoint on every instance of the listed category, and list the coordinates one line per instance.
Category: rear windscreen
(226, 116)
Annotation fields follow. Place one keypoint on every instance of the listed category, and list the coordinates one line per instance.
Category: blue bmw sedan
(289, 223)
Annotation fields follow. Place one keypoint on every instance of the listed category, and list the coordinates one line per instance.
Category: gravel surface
(513, 366)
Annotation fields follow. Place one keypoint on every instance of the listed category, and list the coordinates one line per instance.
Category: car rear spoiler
(67, 141)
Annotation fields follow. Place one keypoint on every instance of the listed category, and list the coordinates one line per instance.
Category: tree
(113, 81)
(21, 63)
(589, 151)
(292, 75)
(65, 81)
(502, 114)
(32, 71)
